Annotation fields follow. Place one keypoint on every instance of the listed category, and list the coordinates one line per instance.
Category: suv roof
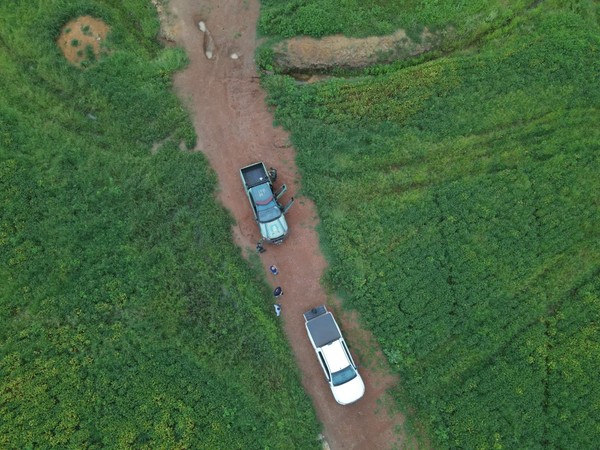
(323, 329)
(335, 355)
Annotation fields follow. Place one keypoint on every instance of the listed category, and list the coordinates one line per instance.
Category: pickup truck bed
(254, 175)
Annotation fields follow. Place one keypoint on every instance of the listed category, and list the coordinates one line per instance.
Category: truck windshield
(268, 212)
(267, 208)
(343, 376)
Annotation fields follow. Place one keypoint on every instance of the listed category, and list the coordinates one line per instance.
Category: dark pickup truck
(268, 212)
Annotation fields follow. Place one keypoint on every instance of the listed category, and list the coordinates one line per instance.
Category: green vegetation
(128, 319)
(459, 201)
(317, 18)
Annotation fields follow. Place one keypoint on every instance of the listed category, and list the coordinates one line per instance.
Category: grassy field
(360, 18)
(459, 200)
(128, 319)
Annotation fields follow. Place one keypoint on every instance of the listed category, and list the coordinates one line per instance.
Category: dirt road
(234, 129)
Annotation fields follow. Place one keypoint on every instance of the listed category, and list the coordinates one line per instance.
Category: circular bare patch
(82, 40)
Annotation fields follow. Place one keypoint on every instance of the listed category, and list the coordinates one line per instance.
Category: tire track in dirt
(234, 129)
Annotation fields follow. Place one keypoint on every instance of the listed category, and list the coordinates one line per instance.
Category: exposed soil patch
(306, 54)
(235, 129)
(82, 40)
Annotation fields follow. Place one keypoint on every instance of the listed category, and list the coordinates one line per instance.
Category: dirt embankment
(306, 54)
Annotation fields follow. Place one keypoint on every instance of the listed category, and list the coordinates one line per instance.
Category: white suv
(340, 370)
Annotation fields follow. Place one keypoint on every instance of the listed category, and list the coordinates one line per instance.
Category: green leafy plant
(458, 207)
(128, 317)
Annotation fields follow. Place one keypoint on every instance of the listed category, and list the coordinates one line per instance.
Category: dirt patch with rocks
(306, 55)
(221, 88)
(82, 40)
(168, 30)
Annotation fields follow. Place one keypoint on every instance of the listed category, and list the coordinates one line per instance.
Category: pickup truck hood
(274, 231)
(349, 392)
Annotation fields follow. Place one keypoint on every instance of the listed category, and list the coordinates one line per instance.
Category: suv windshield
(343, 376)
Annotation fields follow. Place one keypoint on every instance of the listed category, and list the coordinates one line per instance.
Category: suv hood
(274, 231)
(349, 392)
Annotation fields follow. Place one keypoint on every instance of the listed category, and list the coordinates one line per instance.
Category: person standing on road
(277, 307)
(278, 292)
(274, 270)
(259, 247)
(273, 174)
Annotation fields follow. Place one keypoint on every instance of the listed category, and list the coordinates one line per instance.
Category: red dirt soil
(234, 129)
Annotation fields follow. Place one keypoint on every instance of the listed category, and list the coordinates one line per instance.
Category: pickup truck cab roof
(267, 208)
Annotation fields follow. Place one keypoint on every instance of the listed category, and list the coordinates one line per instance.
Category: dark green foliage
(128, 318)
(460, 215)
(573, 369)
